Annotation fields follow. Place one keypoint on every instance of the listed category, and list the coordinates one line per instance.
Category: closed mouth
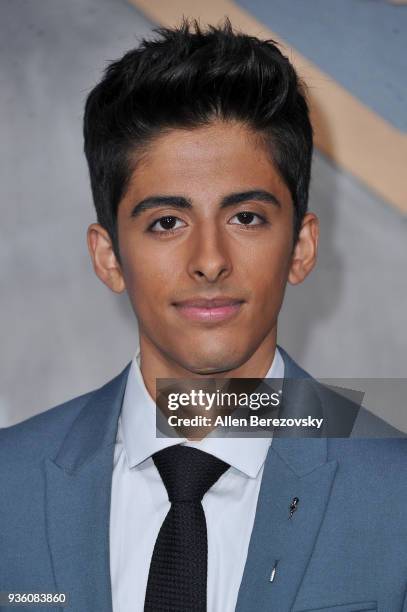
(209, 310)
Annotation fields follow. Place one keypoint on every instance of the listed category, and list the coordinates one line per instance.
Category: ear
(105, 263)
(305, 251)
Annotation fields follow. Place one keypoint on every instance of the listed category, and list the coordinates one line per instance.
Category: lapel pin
(273, 572)
(293, 506)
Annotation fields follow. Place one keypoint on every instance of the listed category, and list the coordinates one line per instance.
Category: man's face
(206, 242)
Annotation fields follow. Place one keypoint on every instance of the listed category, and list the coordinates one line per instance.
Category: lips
(209, 310)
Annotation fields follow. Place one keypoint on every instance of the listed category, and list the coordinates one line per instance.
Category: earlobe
(305, 251)
(104, 260)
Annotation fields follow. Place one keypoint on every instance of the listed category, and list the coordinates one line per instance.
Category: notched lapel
(78, 509)
(294, 468)
(78, 489)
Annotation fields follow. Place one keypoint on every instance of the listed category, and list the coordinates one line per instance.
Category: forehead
(219, 158)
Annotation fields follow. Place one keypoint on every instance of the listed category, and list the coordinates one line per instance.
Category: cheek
(268, 288)
(148, 276)
(266, 266)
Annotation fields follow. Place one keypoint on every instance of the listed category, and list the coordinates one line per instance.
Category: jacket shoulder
(41, 436)
(383, 457)
(38, 435)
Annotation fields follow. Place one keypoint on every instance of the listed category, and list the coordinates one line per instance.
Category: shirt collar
(137, 428)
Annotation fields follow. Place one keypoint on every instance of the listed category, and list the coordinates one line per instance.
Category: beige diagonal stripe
(352, 135)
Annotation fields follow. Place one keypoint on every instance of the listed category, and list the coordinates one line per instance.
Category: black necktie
(178, 569)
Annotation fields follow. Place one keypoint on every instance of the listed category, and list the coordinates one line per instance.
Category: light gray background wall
(62, 332)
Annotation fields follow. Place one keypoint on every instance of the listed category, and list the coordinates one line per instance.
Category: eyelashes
(246, 217)
(169, 224)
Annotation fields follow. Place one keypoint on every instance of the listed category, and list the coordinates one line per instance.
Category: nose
(208, 257)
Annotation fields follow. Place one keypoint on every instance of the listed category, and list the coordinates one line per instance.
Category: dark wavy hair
(186, 77)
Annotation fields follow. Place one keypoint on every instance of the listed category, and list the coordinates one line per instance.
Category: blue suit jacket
(343, 550)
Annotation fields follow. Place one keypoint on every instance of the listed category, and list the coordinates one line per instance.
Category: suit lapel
(78, 488)
(278, 540)
(293, 468)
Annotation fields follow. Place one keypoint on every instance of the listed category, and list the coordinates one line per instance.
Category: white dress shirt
(139, 501)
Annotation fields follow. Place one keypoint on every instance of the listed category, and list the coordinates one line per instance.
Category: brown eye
(165, 224)
(245, 217)
(248, 218)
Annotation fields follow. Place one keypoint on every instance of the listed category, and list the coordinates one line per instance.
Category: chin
(212, 370)
(213, 362)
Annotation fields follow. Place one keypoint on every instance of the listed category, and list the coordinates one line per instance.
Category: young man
(199, 147)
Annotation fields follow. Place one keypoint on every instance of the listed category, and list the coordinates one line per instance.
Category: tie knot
(187, 472)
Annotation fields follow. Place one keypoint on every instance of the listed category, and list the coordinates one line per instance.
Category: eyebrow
(159, 201)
